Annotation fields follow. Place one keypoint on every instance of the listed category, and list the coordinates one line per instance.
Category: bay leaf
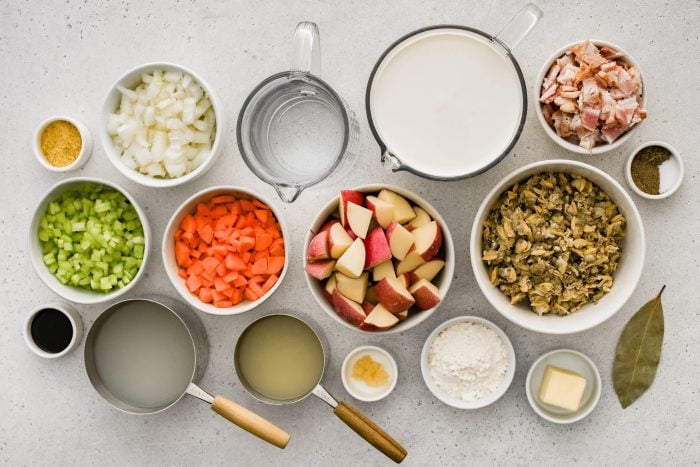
(638, 352)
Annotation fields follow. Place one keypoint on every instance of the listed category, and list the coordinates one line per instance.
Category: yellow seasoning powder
(61, 143)
(370, 371)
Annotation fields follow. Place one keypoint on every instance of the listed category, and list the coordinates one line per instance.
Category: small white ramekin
(674, 154)
(358, 389)
(75, 321)
(85, 144)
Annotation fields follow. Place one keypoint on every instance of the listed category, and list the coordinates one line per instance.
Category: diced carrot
(195, 268)
(187, 236)
(205, 295)
(263, 241)
(202, 209)
(219, 212)
(182, 253)
(234, 263)
(256, 279)
(223, 199)
(262, 214)
(240, 281)
(178, 235)
(276, 250)
(220, 284)
(210, 264)
(231, 276)
(188, 224)
(260, 266)
(182, 273)
(195, 253)
(247, 243)
(269, 283)
(256, 289)
(247, 205)
(208, 276)
(260, 204)
(223, 303)
(221, 270)
(193, 283)
(250, 295)
(218, 296)
(206, 233)
(275, 264)
(236, 296)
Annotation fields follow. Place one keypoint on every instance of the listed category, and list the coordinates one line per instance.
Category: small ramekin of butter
(369, 373)
(563, 386)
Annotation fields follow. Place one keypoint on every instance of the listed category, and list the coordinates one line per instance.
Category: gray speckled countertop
(61, 57)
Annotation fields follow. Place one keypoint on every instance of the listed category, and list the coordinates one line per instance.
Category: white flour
(468, 361)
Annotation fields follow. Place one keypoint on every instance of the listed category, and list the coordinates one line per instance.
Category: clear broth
(144, 355)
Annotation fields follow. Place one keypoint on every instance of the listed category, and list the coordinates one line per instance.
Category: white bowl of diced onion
(162, 125)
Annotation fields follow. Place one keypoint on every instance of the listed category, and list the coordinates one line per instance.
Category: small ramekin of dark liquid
(53, 330)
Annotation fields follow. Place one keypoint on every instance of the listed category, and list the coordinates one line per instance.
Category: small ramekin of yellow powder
(369, 373)
(62, 144)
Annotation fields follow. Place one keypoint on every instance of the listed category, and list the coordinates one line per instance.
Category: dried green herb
(645, 168)
(638, 352)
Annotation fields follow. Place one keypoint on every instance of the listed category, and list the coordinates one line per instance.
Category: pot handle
(249, 421)
(306, 55)
(368, 430)
(519, 27)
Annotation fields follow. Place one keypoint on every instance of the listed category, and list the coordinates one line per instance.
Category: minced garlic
(61, 143)
(370, 371)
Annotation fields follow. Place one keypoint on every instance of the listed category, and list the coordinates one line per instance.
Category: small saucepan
(280, 360)
(142, 356)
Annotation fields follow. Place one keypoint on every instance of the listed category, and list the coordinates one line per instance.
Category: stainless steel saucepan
(143, 355)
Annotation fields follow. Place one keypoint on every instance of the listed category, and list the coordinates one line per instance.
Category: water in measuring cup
(298, 131)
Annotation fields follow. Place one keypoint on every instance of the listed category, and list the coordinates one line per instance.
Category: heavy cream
(446, 102)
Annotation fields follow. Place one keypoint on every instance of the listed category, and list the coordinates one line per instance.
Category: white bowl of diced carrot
(224, 250)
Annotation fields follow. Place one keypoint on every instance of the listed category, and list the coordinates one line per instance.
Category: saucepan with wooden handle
(143, 355)
(280, 360)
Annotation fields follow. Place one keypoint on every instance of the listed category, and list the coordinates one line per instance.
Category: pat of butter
(562, 388)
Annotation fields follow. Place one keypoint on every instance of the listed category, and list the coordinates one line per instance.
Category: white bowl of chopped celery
(89, 240)
(162, 125)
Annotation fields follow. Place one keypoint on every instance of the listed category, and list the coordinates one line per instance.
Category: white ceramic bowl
(130, 80)
(600, 148)
(168, 249)
(358, 389)
(70, 293)
(568, 360)
(85, 148)
(442, 280)
(75, 321)
(448, 398)
(626, 277)
(675, 159)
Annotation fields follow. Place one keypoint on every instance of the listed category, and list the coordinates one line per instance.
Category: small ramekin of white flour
(468, 360)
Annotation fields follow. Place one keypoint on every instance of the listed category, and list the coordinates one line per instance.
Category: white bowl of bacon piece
(590, 97)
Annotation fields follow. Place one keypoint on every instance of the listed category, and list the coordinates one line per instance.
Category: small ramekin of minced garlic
(369, 373)
(654, 170)
(62, 144)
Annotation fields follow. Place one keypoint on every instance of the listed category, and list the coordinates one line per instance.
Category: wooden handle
(374, 435)
(250, 422)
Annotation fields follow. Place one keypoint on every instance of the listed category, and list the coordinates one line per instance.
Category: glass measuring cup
(294, 129)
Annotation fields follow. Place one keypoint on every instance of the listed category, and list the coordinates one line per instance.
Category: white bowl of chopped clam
(589, 97)
(557, 254)
(162, 125)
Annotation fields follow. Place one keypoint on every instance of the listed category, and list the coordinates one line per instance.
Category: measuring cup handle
(306, 56)
(519, 27)
(366, 428)
(251, 422)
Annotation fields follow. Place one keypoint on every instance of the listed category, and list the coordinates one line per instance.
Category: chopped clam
(553, 241)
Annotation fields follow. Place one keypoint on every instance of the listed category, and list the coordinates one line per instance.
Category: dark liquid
(51, 330)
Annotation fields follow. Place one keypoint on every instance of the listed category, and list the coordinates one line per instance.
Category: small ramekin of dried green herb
(654, 170)
(62, 144)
